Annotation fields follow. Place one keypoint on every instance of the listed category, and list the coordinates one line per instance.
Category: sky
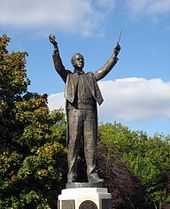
(137, 90)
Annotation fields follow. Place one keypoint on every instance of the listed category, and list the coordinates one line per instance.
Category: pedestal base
(85, 198)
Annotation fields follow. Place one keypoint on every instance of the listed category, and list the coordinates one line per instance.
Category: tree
(32, 139)
(126, 189)
(146, 157)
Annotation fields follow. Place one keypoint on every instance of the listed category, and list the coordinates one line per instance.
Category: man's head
(77, 61)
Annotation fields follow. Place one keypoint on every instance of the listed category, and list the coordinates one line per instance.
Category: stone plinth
(85, 198)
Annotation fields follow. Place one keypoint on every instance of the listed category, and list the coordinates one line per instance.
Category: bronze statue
(82, 95)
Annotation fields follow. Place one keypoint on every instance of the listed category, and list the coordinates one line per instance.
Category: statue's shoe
(95, 179)
(71, 178)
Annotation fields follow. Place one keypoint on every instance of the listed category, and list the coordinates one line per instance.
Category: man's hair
(73, 58)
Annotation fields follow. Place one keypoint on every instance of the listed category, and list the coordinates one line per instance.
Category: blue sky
(137, 90)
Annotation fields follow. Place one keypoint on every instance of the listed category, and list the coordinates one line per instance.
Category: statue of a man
(82, 95)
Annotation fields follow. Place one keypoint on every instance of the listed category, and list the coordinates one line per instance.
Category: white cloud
(129, 99)
(56, 101)
(84, 16)
(72, 15)
(149, 7)
(135, 99)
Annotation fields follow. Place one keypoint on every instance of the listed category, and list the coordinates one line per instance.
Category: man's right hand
(52, 40)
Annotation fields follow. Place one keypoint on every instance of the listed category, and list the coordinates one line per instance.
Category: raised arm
(57, 59)
(103, 71)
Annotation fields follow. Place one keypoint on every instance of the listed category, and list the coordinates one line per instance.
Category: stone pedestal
(85, 198)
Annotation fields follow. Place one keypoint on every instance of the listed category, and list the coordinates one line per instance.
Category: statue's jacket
(71, 79)
(71, 87)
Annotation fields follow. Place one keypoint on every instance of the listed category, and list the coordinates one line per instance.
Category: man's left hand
(116, 50)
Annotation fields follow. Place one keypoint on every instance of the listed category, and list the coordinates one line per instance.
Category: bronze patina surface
(82, 94)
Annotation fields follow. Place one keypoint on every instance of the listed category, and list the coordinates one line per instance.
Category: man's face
(78, 62)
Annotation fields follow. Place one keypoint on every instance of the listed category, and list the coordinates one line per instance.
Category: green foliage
(147, 157)
(32, 140)
(126, 189)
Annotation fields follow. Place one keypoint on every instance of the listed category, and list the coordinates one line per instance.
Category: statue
(82, 95)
